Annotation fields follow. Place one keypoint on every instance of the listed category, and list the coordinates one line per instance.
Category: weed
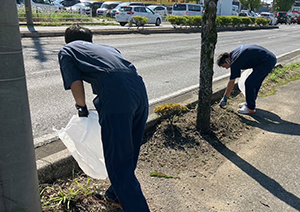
(170, 111)
(160, 174)
(59, 197)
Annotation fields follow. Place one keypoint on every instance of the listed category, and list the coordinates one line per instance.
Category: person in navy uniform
(122, 105)
(262, 62)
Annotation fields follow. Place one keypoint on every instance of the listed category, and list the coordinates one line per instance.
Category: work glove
(82, 111)
(223, 101)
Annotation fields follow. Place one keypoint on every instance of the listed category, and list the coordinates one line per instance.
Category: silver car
(125, 14)
(106, 8)
(162, 10)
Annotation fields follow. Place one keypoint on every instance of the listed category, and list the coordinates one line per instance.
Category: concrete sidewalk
(264, 174)
(259, 172)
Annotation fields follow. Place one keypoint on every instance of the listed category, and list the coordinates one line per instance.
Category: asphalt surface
(261, 176)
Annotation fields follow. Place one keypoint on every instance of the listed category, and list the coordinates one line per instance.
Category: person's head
(224, 60)
(76, 32)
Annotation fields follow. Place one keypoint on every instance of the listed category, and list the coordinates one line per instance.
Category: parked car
(169, 9)
(270, 16)
(247, 13)
(162, 10)
(298, 19)
(294, 16)
(106, 8)
(186, 9)
(95, 5)
(84, 7)
(125, 14)
(113, 12)
(283, 18)
(43, 5)
(69, 3)
(59, 4)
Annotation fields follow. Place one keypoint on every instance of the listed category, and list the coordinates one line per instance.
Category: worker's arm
(77, 89)
(227, 93)
(229, 88)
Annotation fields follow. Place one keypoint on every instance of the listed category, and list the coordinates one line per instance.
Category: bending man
(122, 105)
(261, 60)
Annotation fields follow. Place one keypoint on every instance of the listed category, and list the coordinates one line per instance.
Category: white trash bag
(242, 80)
(83, 139)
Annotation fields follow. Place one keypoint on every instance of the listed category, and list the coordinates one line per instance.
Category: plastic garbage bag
(242, 80)
(83, 139)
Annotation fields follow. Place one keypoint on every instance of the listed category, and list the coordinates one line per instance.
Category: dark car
(283, 18)
(95, 5)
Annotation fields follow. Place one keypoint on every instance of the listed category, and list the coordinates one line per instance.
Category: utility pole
(28, 12)
(19, 190)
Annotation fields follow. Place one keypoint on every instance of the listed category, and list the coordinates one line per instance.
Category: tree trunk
(19, 190)
(208, 42)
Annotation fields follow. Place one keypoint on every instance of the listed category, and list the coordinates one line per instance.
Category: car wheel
(158, 21)
(122, 23)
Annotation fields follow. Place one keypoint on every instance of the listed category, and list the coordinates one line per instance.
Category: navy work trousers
(255, 79)
(122, 105)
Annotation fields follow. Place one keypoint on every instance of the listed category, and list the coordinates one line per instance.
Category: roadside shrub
(235, 20)
(253, 20)
(180, 20)
(262, 21)
(139, 20)
(246, 21)
(223, 21)
(171, 19)
(170, 111)
(193, 21)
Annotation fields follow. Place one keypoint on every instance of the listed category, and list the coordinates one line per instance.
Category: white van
(235, 10)
(187, 9)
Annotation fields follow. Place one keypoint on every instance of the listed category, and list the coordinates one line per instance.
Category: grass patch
(160, 174)
(280, 75)
(65, 194)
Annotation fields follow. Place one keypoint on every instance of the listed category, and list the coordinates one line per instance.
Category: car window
(194, 8)
(149, 10)
(87, 4)
(126, 9)
(109, 6)
(140, 9)
(136, 4)
(179, 7)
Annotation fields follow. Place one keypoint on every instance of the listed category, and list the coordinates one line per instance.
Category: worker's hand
(223, 101)
(82, 111)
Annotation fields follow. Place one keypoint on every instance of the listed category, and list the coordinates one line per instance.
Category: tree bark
(19, 190)
(208, 42)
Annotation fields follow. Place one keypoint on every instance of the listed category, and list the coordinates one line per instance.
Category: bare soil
(168, 153)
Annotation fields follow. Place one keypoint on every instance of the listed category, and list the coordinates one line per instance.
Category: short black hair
(222, 57)
(76, 32)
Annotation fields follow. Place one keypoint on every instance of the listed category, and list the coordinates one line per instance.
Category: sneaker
(103, 198)
(246, 110)
(242, 104)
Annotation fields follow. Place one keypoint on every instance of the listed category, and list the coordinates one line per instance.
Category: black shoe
(103, 198)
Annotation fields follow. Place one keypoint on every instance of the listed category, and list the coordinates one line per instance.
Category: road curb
(31, 32)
